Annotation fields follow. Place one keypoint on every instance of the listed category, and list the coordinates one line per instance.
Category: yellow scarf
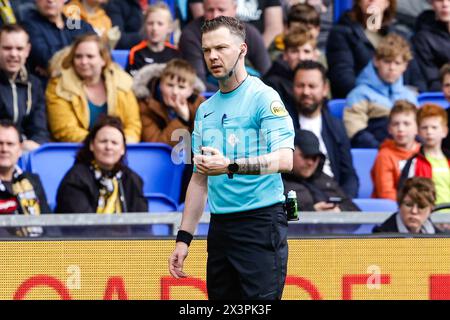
(109, 199)
(28, 202)
(6, 12)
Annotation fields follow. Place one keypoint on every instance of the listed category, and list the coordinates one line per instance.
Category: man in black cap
(316, 191)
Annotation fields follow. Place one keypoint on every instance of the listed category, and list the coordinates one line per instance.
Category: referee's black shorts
(247, 254)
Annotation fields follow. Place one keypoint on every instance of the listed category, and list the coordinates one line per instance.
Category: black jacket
(338, 149)
(46, 38)
(28, 113)
(432, 45)
(390, 225)
(280, 77)
(127, 15)
(319, 187)
(191, 48)
(79, 191)
(349, 51)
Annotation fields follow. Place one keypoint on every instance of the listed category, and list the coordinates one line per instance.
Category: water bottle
(291, 206)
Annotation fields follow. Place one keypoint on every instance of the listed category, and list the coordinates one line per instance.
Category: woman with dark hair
(89, 85)
(100, 181)
(352, 42)
(416, 202)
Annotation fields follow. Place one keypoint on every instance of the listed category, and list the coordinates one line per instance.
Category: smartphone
(335, 200)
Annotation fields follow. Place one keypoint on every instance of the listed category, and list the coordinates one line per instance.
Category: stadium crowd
(59, 83)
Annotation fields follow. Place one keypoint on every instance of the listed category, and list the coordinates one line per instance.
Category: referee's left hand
(211, 162)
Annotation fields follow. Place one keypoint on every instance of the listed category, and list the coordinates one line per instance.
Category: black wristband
(184, 236)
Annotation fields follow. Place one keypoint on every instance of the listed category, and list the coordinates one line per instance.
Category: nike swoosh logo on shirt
(207, 114)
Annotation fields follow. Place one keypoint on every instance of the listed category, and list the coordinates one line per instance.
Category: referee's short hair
(235, 26)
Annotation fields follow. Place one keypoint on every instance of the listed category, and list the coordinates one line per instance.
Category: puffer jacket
(68, 110)
(349, 51)
(371, 99)
(157, 122)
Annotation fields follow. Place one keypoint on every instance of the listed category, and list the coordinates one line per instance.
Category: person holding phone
(316, 191)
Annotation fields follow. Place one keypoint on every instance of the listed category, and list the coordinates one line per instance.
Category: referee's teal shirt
(247, 122)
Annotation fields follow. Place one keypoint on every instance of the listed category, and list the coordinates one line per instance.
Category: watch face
(233, 167)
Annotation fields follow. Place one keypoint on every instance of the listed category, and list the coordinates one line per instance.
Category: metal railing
(173, 219)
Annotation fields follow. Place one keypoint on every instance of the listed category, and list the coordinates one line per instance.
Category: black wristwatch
(232, 168)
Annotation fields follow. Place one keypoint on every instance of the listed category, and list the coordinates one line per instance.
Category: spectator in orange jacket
(394, 152)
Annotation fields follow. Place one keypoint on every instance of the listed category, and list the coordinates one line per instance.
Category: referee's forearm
(196, 196)
(276, 162)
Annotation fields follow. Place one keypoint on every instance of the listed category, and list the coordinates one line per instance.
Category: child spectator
(301, 15)
(352, 43)
(445, 79)
(432, 42)
(379, 85)
(432, 161)
(158, 24)
(168, 97)
(299, 45)
(395, 152)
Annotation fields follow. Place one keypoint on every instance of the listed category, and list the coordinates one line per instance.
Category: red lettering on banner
(42, 280)
(168, 282)
(306, 285)
(439, 287)
(349, 280)
(115, 284)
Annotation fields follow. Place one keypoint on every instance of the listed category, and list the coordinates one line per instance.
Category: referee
(242, 141)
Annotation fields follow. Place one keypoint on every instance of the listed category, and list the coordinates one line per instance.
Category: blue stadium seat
(337, 107)
(23, 161)
(153, 162)
(120, 57)
(363, 160)
(376, 205)
(340, 6)
(208, 94)
(159, 203)
(373, 205)
(51, 161)
(433, 97)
